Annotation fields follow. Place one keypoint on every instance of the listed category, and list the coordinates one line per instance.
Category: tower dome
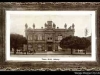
(65, 25)
(54, 25)
(26, 26)
(33, 26)
(73, 26)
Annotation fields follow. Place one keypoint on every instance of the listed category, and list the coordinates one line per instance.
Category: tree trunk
(71, 51)
(26, 52)
(85, 51)
(22, 49)
(15, 50)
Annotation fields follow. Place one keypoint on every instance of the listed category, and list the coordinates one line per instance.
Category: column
(54, 46)
(33, 48)
(54, 42)
(45, 43)
(45, 47)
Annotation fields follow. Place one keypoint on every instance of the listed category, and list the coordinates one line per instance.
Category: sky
(81, 21)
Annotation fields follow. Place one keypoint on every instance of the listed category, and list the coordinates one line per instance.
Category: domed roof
(26, 25)
(54, 25)
(33, 25)
(65, 25)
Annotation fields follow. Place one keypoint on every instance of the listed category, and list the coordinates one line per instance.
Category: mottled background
(47, 65)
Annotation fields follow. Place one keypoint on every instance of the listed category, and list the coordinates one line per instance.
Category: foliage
(17, 41)
(83, 43)
(74, 42)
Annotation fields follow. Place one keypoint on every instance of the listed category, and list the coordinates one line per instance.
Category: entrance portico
(49, 46)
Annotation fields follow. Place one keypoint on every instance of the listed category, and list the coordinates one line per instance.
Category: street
(50, 55)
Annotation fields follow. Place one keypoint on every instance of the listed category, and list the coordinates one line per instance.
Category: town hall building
(47, 38)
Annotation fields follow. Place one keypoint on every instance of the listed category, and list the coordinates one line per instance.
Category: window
(39, 37)
(39, 47)
(49, 37)
(29, 37)
(30, 47)
(59, 37)
(35, 37)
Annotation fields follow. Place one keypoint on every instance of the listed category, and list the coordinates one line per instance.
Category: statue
(65, 25)
(54, 25)
(57, 27)
(33, 26)
(45, 25)
(26, 26)
(41, 27)
(73, 26)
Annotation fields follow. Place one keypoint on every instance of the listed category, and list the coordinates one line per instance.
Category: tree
(74, 42)
(86, 32)
(17, 41)
(68, 42)
(83, 43)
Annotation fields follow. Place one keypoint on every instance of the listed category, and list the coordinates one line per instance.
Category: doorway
(49, 46)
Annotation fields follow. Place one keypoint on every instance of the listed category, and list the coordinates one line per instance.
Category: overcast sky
(18, 21)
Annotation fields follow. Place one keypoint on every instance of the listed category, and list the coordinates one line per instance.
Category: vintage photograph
(50, 36)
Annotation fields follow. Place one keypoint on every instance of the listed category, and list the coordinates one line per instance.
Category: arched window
(39, 37)
(49, 37)
(35, 37)
(29, 37)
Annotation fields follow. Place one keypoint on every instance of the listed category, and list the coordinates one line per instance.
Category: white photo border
(93, 39)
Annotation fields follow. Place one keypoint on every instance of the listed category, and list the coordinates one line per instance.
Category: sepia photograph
(50, 36)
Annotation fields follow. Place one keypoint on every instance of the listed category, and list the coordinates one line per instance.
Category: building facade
(47, 38)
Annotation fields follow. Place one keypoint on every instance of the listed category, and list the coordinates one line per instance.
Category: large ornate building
(47, 38)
